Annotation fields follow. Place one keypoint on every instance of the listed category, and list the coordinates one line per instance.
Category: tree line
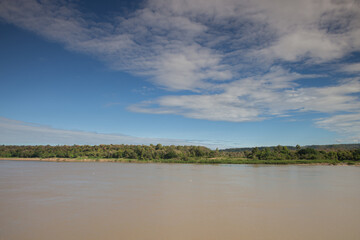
(151, 152)
(327, 147)
(141, 152)
(284, 153)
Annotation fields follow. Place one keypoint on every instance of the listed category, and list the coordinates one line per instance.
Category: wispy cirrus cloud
(23, 133)
(236, 60)
(157, 45)
(275, 94)
(347, 125)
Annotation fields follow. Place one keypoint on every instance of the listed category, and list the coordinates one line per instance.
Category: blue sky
(228, 73)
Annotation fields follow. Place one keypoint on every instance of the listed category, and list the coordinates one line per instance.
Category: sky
(230, 73)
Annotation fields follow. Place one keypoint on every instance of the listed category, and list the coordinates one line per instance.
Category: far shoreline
(211, 161)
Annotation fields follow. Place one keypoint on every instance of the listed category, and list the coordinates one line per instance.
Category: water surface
(50, 200)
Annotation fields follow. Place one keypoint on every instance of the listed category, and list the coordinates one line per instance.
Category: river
(94, 200)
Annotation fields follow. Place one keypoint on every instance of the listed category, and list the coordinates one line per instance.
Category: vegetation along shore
(326, 154)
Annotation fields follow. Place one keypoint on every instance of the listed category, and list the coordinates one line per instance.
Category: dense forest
(284, 153)
(181, 153)
(141, 152)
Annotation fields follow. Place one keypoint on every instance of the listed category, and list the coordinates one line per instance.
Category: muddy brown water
(50, 200)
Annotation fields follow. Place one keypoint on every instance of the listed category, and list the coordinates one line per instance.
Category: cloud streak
(346, 124)
(23, 133)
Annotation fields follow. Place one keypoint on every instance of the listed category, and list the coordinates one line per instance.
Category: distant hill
(317, 147)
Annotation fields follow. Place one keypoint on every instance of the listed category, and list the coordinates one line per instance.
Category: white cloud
(315, 30)
(181, 44)
(22, 133)
(316, 45)
(351, 68)
(268, 97)
(187, 68)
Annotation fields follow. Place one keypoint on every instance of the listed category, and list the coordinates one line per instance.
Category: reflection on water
(49, 200)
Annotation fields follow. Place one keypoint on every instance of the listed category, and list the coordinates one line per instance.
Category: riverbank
(193, 161)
